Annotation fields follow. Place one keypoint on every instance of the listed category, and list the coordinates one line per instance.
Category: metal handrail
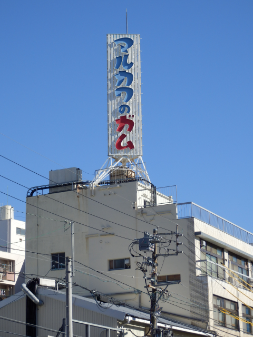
(224, 267)
(35, 189)
(221, 223)
(106, 328)
(193, 203)
(158, 189)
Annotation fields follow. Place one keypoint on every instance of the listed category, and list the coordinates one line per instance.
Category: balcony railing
(169, 192)
(7, 276)
(210, 268)
(150, 196)
(192, 210)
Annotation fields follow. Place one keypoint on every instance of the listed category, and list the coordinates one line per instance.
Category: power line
(117, 281)
(100, 272)
(206, 264)
(13, 333)
(36, 152)
(99, 202)
(224, 287)
(135, 230)
(85, 225)
(108, 277)
(29, 324)
(90, 292)
(106, 206)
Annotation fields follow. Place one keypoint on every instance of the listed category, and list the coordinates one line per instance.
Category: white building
(12, 252)
(111, 215)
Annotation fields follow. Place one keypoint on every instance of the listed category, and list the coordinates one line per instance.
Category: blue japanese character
(124, 109)
(129, 93)
(125, 65)
(124, 40)
(121, 76)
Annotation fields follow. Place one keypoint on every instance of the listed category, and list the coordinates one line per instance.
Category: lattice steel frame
(137, 165)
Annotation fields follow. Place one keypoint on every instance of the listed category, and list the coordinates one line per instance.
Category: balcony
(7, 270)
(215, 270)
(7, 276)
(192, 210)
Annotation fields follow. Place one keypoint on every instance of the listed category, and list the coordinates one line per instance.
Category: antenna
(126, 23)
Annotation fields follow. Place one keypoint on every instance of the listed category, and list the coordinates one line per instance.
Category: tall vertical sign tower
(124, 96)
(123, 106)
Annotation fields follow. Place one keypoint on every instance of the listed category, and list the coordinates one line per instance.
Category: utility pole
(69, 324)
(73, 248)
(153, 318)
(151, 243)
(71, 225)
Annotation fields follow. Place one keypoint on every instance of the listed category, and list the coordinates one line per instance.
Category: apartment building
(211, 281)
(12, 252)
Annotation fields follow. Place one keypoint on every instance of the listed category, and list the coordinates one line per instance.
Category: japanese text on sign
(124, 76)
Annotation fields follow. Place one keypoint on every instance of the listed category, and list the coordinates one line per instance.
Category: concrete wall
(94, 247)
(17, 241)
(4, 235)
(10, 241)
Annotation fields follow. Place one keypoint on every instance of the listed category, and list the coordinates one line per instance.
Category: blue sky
(197, 76)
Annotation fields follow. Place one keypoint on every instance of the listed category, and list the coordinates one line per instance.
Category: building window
(169, 278)
(119, 264)
(6, 266)
(58, 261)
(5, 291)
(211, 259)
(20, 231)
(239, 265)
(220, 318)
(247, 314)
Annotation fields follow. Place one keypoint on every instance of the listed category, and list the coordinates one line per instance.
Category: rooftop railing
(192, 210)
(168, 191)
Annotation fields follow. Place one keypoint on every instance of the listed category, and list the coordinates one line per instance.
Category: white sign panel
(124, 96)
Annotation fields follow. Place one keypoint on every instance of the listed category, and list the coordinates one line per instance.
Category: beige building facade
(109, 217)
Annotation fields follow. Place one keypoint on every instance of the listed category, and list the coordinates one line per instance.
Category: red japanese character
(118, 145)
(122, 121)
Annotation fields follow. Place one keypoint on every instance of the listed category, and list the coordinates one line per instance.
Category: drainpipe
(32, 297)
(31, 306)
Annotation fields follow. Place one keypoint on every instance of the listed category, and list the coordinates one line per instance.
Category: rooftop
(185, 210)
